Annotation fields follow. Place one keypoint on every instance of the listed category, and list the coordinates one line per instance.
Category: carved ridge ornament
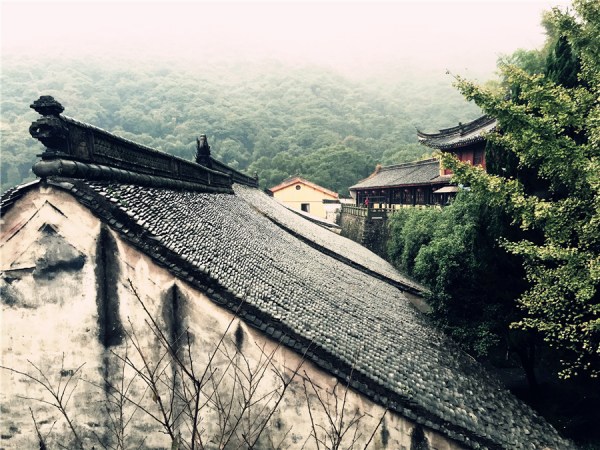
(50, 129)
(46, 105)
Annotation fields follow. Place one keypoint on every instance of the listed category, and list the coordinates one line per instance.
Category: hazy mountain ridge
(274, 119)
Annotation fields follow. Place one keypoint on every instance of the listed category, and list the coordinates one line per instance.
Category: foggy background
(356, 37)
(325, 90)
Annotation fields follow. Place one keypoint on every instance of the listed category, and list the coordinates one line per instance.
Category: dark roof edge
(431, 182)
(379, 169)
(458, 144)
(236, 175)
(404, 287)
(105, 133)
(97, 172)
(10, 197)
(421, 162)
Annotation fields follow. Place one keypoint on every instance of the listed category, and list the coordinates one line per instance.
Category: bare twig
(41, 441)
(58, 393)
(375, 429)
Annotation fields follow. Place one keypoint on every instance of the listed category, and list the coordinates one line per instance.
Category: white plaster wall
(53, 324)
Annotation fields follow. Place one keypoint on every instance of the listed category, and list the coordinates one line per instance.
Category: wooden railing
(377, 212)
(355, 210)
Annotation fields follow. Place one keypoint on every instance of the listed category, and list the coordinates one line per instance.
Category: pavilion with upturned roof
(425, 182)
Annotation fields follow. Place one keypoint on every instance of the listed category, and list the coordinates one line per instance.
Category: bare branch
(56, 395)
(376, 428)
(41, 441)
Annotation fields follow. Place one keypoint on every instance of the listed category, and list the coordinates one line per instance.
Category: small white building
(302, 195)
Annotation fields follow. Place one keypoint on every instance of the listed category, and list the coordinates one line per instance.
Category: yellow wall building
(300, 194)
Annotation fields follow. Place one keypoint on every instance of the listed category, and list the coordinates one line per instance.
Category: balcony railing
(378, 212)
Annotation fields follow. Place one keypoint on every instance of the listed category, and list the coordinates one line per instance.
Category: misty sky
(461, 36)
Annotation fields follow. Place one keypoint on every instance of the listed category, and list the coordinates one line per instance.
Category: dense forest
(266, 118)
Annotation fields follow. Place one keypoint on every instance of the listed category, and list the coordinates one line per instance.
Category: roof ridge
(409, 164)
(94, 153)
(461, 128)
(416, 173)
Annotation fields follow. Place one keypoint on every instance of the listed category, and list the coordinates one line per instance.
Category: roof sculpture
(460, 135)
(203, 151)
(235, 243)
(79, 150)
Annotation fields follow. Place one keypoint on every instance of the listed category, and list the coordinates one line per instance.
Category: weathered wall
(369, 232)
(376, 236)
(74, 295)
(332, 212)
(353, 227)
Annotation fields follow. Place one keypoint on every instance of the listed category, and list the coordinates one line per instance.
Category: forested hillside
(265, 118)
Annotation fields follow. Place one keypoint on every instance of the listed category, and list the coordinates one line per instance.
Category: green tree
(551, 124)
(248, 111)
(562, 65)
(337, 167)
(472, 280)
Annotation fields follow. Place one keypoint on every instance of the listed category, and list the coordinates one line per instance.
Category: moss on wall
(370, 232)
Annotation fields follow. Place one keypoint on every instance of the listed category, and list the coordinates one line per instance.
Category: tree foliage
(551, 127)
(472, 281)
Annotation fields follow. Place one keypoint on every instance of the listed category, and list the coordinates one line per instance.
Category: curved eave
(393, 186)
(444, 146)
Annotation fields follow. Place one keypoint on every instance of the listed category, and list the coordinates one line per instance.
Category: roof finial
(47, 106)
(203, 151)
(50, 130)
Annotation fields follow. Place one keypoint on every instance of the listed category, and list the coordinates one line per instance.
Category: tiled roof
(408, 174)
(348, 322)
(460, 135)
(327, 242)
(315, 219)
(295, 180)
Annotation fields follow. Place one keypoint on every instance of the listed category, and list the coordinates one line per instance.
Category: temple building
(416, 183)
(425, 182)
(466, 141)
(150, 301)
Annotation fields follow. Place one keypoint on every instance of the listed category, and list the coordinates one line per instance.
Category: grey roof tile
(408, 174)
(321, 237)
